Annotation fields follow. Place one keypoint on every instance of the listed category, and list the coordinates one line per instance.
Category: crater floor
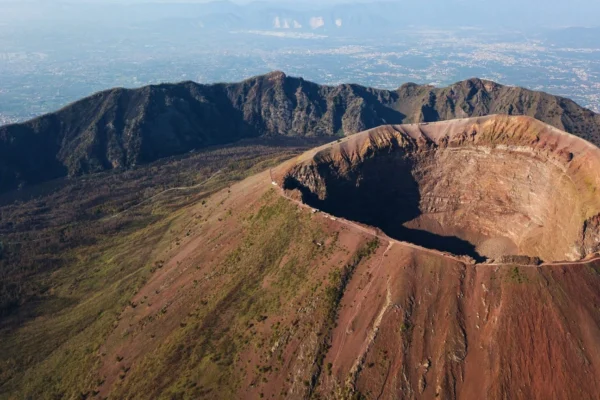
(489, 187)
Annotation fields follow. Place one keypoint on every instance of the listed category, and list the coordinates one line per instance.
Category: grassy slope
(50, 341)
(204, 351)
(260, 321)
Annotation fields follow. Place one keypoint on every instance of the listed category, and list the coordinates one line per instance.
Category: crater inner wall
(503, 202)
(485, 202)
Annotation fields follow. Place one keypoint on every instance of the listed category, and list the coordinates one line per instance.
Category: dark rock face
(591, 235)
(121, 128)
(519, 260)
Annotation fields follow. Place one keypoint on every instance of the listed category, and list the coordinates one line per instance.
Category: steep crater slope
(489, 187)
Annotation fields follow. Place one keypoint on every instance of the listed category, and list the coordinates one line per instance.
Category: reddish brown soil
(411, 323)
(421, 326)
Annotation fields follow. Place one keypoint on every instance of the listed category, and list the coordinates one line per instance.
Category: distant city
(40, 74)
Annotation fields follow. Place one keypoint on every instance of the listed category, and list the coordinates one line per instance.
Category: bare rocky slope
(126, 127)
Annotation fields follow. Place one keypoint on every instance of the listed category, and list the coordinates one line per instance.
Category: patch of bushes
(515, 275)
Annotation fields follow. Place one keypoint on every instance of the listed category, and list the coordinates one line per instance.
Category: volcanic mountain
(325, 278)
(444, 260)
(122, 128)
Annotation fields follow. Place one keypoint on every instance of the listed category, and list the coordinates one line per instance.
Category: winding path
(163, 192)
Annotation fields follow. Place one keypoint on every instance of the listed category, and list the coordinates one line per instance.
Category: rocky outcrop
(591, 235)
(125, 127)
(518, 260)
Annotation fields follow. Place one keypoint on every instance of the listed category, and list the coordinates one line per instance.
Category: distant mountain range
(120, 128)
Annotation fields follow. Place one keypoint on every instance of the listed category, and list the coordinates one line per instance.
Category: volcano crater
(489, 187)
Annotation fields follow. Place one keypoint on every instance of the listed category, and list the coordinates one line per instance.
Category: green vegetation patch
(516, 275)
(202, 358)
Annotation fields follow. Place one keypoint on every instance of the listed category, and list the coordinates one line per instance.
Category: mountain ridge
(120, 128)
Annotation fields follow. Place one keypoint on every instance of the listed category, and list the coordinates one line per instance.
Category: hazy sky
(516, 13)
(546, 3)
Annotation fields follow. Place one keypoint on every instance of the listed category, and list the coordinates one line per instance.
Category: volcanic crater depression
(487, 187)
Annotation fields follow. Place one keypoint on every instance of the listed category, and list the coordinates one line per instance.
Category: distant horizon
(509, 13)
(53, 52)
